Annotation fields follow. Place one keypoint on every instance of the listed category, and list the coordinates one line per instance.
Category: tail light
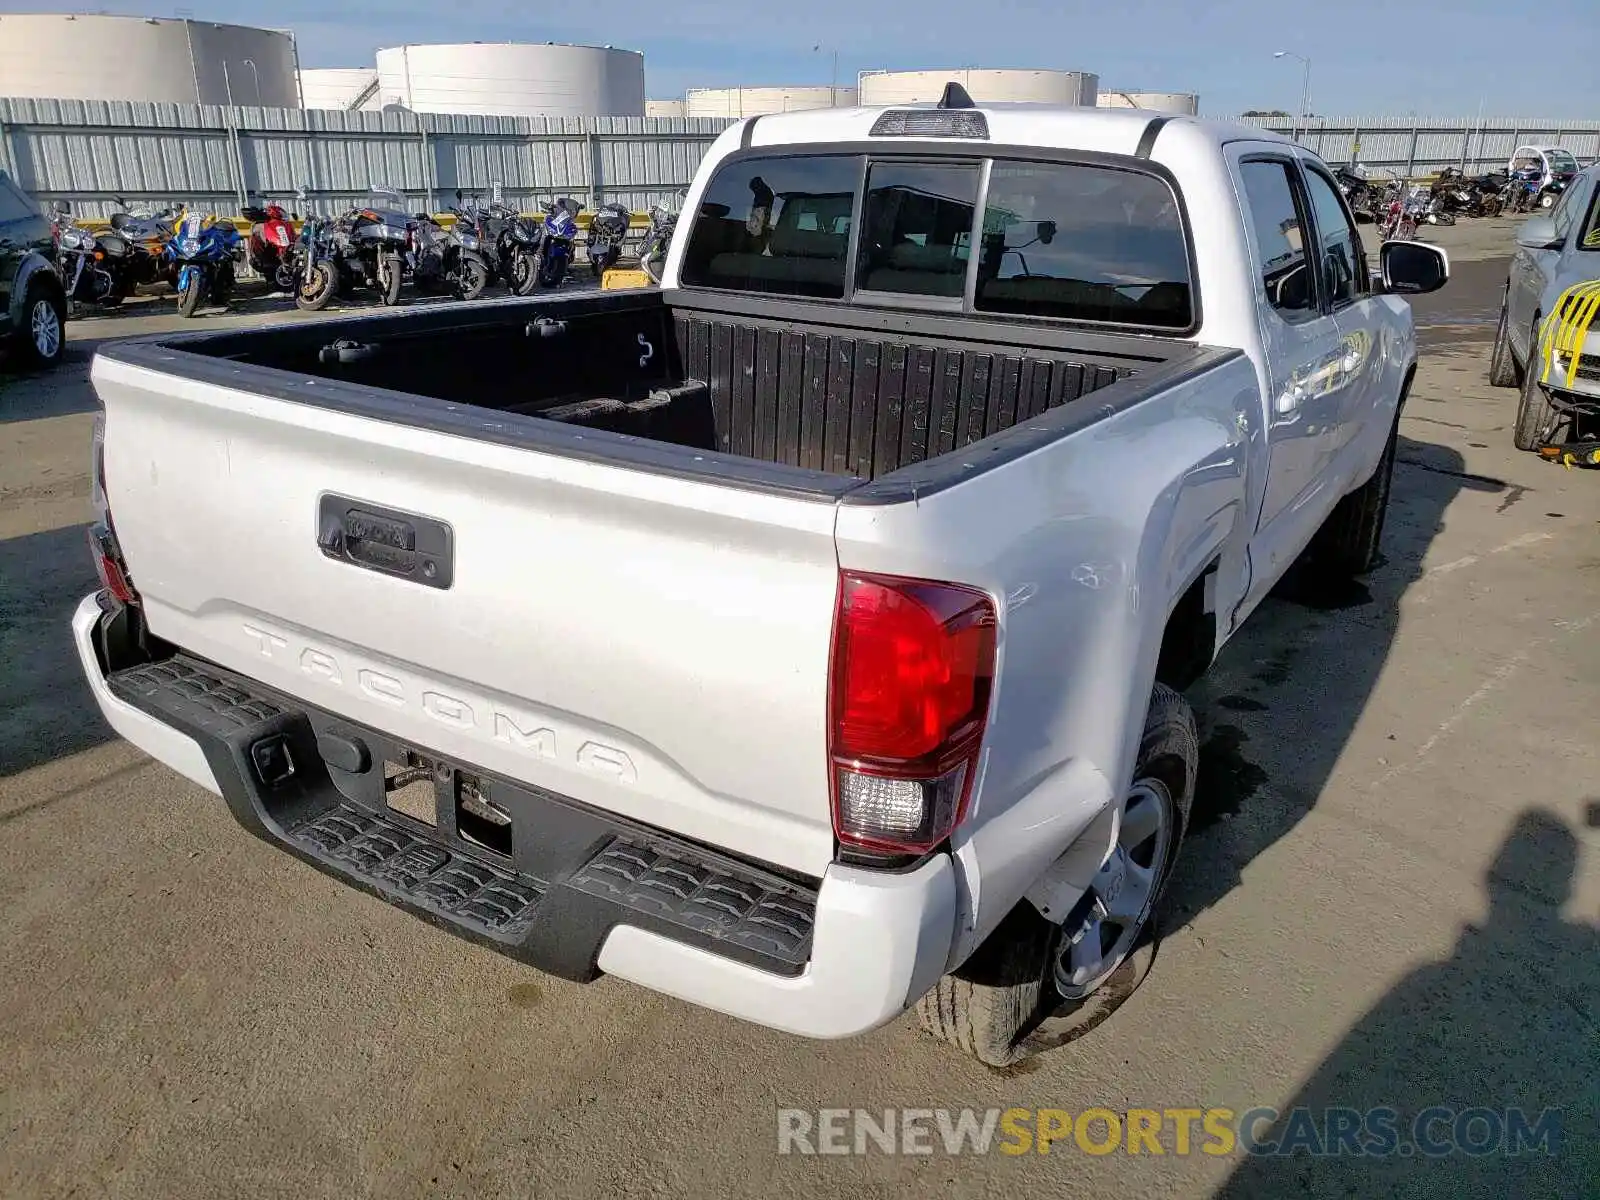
(913, 665)
(109, 563)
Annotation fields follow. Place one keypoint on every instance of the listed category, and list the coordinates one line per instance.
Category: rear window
(1071, 241)
(916, 235)
(1084, 243)
(776, 225)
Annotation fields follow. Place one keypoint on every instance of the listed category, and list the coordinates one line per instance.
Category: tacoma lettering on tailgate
(476, 717)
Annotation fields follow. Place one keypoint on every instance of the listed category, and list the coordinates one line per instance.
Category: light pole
(1305, 79)
(833, 79)
(251, 63)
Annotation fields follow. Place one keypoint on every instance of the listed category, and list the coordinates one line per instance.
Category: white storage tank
(759, 101)
(1182, 103)
(1069, 88)
(513, 79)
(663, 108)
(339, 87)
(95, 57)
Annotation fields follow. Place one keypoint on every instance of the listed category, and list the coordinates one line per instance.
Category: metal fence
(92, 151)
(1416, 146)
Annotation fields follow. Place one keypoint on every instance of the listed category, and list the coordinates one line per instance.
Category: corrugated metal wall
(90, 152)
(1421, 146)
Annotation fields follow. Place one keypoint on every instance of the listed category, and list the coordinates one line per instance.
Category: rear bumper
(581, 893)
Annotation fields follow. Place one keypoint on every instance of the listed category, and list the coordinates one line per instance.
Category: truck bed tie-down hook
(649, 351)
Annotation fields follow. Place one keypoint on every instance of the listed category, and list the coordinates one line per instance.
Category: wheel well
(1190, 638)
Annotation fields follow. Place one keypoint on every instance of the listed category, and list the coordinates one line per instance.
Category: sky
(1368, 57)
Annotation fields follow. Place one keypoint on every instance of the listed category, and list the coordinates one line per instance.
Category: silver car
(1551, 299)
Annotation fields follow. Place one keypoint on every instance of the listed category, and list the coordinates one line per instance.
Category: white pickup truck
(803, 638)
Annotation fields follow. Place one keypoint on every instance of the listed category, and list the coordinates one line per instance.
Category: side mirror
(1539, 233)
(1412, 268)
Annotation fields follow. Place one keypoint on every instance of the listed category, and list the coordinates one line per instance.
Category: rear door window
(1084, 243)
(1278, 221)
(775, 225)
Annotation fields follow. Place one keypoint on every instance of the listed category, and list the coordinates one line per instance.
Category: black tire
(1535, 413)
(472, 277)
(1347, 544)
(391, 274)
(525, 270)
(317, 290)
(189, 296)
(222, 286)
(1002, 1005)
(42, 336)
(1503, 370)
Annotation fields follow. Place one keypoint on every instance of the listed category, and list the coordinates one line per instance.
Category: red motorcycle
(271, 242)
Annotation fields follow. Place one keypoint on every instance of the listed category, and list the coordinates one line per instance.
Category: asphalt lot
(1390, 896)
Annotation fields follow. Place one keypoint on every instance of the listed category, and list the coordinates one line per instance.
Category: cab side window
(1344, 262)
(1278, 221)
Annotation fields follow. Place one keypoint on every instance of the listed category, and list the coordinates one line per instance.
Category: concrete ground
(1389, 897)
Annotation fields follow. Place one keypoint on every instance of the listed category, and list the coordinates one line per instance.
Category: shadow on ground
(48, 711)
(1307, 660)
(1485, 1062)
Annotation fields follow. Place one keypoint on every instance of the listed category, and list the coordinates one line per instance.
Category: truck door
(1368, 385)
(1304, 351)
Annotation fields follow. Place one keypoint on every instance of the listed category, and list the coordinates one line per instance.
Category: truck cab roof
(1106, 131)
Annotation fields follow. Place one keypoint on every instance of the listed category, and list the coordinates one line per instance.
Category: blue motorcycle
(203, 249)
(557, 237)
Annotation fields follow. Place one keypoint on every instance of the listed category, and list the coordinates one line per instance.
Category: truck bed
(787, 395)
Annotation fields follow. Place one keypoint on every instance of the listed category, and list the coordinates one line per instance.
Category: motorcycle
(1522, 190)
(1358, 192)
(203, 250)
(316, 263)
(95, 268)
(381, 241)
(149, 234)
(509, 240)
(557, 236)
(606, 233)
(653, 253)
(271, 241)
(1401, 209)
(450, 259)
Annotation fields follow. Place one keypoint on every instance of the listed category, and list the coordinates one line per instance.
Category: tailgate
(651, 645)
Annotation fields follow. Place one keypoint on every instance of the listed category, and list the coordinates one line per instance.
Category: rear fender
(1086, 544)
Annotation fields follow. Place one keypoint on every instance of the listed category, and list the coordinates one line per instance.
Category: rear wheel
(1033, 984)
(42, 339)
(1503, 371)
(1535, 413)
(391, 274)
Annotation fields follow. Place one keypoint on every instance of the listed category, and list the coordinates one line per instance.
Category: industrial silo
(96, 57)
(339, 88)
(514, 79)
(663, 108)
(1070, 88)
(759, 101)
(1184, 103)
